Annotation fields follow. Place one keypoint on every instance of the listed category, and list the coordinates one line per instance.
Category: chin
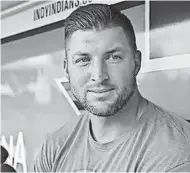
(101, 109)
(100, 113)
(108, 108)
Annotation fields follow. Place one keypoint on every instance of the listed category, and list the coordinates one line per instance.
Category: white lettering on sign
(17, 154)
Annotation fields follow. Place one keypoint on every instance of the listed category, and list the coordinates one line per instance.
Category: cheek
(121, 76)
(78, 78)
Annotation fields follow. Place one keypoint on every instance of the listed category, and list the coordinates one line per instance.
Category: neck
(107, 129)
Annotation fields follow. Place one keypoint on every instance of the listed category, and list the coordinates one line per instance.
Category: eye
(82, 61)
(114, 58)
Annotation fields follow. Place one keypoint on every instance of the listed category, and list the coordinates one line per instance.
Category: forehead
(98, 39)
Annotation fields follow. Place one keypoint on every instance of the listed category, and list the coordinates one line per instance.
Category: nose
(99, 71)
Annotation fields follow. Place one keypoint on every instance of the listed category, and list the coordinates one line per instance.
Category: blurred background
(35, 95)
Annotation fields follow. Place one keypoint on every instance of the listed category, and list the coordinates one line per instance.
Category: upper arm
(44, 160)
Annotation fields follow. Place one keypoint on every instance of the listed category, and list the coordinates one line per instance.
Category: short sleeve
(44, 159)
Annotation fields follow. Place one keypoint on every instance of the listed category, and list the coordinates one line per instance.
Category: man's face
(102, 67)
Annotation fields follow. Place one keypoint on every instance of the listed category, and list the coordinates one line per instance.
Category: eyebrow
(117, 49)
(81, 54)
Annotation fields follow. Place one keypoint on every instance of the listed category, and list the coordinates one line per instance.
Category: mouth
(104, 90)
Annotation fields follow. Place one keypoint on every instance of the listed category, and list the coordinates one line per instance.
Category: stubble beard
(123, 98)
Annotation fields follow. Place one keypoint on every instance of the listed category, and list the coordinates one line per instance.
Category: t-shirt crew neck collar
(110, 145)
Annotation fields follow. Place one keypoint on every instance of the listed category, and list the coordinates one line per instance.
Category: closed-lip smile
(100, 90)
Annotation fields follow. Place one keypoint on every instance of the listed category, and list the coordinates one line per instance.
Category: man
(121, 131)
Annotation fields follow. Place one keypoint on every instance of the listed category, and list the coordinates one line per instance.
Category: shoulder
(166, 122)
(169, 137)
(62, 134)
(54, 142)
(169, 122)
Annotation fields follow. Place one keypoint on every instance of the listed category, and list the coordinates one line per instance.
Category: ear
(65, 67)
(137, 62)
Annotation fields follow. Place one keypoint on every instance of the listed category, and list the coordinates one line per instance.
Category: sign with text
(43, 14)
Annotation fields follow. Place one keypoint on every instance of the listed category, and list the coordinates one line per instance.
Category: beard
(123, 97)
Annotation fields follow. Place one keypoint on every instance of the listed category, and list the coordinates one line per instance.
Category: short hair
(98, 16)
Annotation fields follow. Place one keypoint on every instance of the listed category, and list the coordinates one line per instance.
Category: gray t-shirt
(160, 143)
